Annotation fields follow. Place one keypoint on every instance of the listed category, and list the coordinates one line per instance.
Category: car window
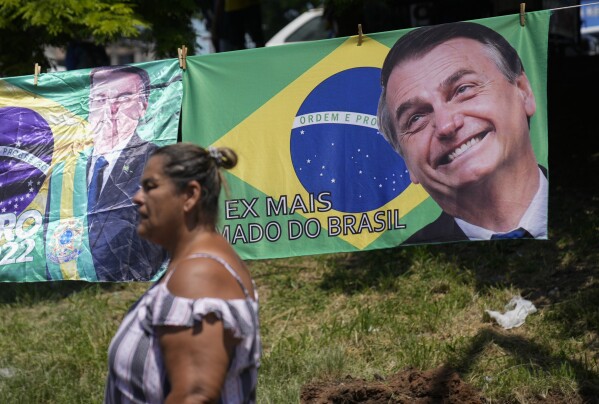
(312, 30)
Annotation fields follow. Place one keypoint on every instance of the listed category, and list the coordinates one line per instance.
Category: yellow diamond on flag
(262, 141)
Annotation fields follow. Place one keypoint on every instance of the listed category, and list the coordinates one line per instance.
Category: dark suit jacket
(119, 254)
(444, 229)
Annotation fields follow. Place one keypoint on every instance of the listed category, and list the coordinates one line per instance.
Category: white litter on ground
(516, 312)
(7, 372)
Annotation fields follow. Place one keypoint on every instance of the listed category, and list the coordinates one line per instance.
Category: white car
(308, 26)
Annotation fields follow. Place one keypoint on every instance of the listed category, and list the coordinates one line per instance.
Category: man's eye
(415, 123)
(414, 119)
(98, 100)
(123, 98)
(463, 88)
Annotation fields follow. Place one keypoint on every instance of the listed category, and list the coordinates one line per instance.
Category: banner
(72, 150)
(465, 158)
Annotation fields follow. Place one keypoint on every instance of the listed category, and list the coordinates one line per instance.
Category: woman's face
(160, 204)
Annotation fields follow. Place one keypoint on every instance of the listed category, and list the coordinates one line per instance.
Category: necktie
(95, 186)
(518, 233)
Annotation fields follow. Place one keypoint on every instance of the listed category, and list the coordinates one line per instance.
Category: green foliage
(170, 24)
(104, 20)
(26, 26)
(20, 51)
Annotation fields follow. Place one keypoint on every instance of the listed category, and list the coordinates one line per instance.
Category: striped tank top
(136, 371)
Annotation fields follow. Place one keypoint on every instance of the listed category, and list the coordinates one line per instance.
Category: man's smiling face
(458, 118)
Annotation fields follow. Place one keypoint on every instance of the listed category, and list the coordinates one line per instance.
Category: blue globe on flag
(336, 146)
(26, 148)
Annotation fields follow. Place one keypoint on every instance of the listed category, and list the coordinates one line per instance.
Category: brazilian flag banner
(72, 150)
(315, 173)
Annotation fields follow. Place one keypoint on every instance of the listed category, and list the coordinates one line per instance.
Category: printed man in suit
(456, 105)
(118, 100)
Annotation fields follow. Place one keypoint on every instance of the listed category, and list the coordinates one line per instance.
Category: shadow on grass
(354, 273)
(532, 356)
(546, 271)
(35, 292)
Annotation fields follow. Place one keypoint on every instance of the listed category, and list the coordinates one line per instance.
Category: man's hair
(141, 73)
(417, 43)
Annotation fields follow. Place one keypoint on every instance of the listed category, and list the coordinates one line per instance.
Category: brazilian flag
(46, 143)
(314, 173)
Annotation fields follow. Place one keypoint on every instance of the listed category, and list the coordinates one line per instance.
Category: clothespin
(182, 51)
(36, 71)
(522, 14)
(359, 34)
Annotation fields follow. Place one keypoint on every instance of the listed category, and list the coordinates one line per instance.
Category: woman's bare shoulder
(202, 274)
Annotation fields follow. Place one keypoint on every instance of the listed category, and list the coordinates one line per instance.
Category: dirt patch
(439, 385)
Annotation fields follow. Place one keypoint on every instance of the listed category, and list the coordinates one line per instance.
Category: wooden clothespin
(36, 71)
(522, 14)
(360, 35)
(182, 51)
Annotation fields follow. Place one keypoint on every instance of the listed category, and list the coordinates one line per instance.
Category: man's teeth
(454, 154)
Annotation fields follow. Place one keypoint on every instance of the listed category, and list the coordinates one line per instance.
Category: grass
(370, 314)
(363, 314)
(379, 312)
(54, 338)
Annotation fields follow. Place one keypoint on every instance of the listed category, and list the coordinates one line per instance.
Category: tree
(27, 26)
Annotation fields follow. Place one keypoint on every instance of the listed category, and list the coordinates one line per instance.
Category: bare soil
(439, 385)
(410, 386)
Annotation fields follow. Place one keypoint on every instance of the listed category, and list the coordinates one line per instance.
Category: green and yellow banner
(315, 174)
(51, 135)
(337, 153)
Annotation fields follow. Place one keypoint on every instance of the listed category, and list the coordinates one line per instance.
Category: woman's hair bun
(223, 157)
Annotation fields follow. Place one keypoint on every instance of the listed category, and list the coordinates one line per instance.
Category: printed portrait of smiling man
(456, 105)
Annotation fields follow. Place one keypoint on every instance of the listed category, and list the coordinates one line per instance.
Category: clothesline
(575, 6)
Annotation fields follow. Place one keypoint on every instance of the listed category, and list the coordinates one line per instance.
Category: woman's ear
(193, 193)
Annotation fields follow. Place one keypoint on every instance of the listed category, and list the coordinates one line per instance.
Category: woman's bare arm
(197, 358)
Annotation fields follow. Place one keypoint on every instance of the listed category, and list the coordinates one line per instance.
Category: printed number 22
(11, 249)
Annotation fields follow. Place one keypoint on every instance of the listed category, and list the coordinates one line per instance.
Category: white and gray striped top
(136, 372)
